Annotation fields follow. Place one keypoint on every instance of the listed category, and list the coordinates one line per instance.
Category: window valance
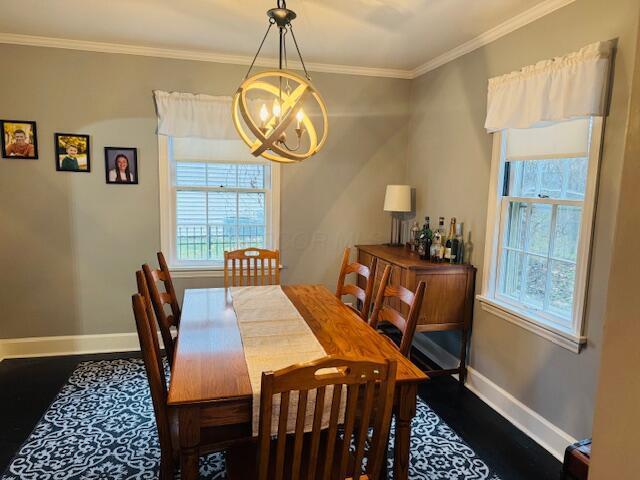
(562, 88)
(194, 115)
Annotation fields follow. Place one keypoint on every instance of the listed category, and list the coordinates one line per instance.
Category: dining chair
(363, 296)
(165, 333)
(335, 452)
(251, 267)
(384, 312)
(159, 301)
(166, 417)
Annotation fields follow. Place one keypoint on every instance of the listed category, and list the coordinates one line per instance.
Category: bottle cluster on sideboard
(440, 245)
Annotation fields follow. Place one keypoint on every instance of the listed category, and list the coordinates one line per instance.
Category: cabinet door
(444, 299)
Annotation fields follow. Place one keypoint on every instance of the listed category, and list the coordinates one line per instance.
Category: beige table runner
(275, 336)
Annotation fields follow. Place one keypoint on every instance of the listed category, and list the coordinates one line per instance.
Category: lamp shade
(397, 198)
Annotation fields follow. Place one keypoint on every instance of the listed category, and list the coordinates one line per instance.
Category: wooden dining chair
(363, 296)
(213, 439)
(336, 452)
(160, 299)
(383, 312)
(251, 267)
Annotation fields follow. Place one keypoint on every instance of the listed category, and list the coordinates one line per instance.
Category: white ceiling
(383, 34)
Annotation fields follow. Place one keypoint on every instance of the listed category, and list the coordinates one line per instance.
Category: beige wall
(617, 416)
(69, 243)
(449, 163)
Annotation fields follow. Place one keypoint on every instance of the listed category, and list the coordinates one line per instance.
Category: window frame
(167, 194)
(538, 322)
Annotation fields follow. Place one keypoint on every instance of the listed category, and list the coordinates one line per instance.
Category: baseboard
(534, 425)
(68, 345)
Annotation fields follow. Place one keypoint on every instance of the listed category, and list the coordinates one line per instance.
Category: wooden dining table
(210, 383)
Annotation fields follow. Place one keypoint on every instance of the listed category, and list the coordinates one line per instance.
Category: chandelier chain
(271, 23)
(304, 67)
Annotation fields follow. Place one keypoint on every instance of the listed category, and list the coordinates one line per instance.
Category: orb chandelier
(268, 106)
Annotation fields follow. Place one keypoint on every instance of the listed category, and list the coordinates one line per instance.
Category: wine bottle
(449, 251)
(459, 244)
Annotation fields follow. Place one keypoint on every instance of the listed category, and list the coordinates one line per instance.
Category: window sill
(517, 317)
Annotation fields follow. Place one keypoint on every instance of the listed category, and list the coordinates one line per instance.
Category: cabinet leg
(462, 375)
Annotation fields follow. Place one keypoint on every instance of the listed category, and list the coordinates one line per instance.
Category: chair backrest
(251, 267)
(369, 399)
(363, 295)
(154, 368)
(165, 277)
(384, 312)
(160, 300)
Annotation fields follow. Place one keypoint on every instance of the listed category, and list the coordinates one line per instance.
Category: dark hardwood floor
(28, 386)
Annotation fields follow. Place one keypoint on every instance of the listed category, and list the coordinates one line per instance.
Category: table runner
(275, 336)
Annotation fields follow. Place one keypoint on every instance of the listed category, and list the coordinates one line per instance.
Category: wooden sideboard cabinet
(448, 299)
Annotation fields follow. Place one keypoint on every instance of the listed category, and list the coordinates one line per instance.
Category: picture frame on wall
(19, 139)
(73, 152)
(121, 165)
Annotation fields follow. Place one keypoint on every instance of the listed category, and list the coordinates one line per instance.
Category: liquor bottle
(459, 245)
(427, 236)
(415, 237)
(435, 247)
(449, 251)
(443, 239)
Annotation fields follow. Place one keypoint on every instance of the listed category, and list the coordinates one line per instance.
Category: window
(539, 227)
(215, 197)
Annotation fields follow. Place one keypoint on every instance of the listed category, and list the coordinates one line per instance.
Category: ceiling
(381, 34)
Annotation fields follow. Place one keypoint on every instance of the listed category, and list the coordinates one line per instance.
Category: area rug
(101, 427)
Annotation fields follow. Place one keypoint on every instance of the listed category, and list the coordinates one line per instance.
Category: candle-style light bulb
(299, 117)
(264, 114)
(276, 108)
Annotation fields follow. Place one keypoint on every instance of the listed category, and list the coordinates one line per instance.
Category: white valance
(563, 88)
(191, 115)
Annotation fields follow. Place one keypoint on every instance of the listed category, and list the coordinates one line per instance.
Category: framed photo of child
(121, 165)
(19, 139)
(73, 152)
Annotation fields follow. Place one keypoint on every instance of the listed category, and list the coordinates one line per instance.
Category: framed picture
(19, 139)
(121, 165)
(73, 152)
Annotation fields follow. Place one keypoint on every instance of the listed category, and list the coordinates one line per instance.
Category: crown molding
(514, 23)
(526, 17)
(196, 55)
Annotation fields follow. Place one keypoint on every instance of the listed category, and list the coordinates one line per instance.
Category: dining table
(210, 385)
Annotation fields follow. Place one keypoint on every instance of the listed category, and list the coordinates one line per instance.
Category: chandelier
(268, 106)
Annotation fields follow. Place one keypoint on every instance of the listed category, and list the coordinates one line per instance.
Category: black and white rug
(101, 427)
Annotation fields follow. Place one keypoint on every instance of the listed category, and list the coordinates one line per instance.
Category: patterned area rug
(101, 427)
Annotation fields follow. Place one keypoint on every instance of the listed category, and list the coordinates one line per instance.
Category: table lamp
(397, 199)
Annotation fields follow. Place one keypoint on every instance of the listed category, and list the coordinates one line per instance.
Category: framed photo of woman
(73, 152)
(121, 165)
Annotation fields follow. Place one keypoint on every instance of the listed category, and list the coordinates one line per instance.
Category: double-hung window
(539, 227)
(215, 197)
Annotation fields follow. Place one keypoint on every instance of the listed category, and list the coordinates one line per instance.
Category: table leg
(405, 410)
(189, 432)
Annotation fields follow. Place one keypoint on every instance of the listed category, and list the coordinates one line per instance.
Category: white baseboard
(534, 425)
(68, 345)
